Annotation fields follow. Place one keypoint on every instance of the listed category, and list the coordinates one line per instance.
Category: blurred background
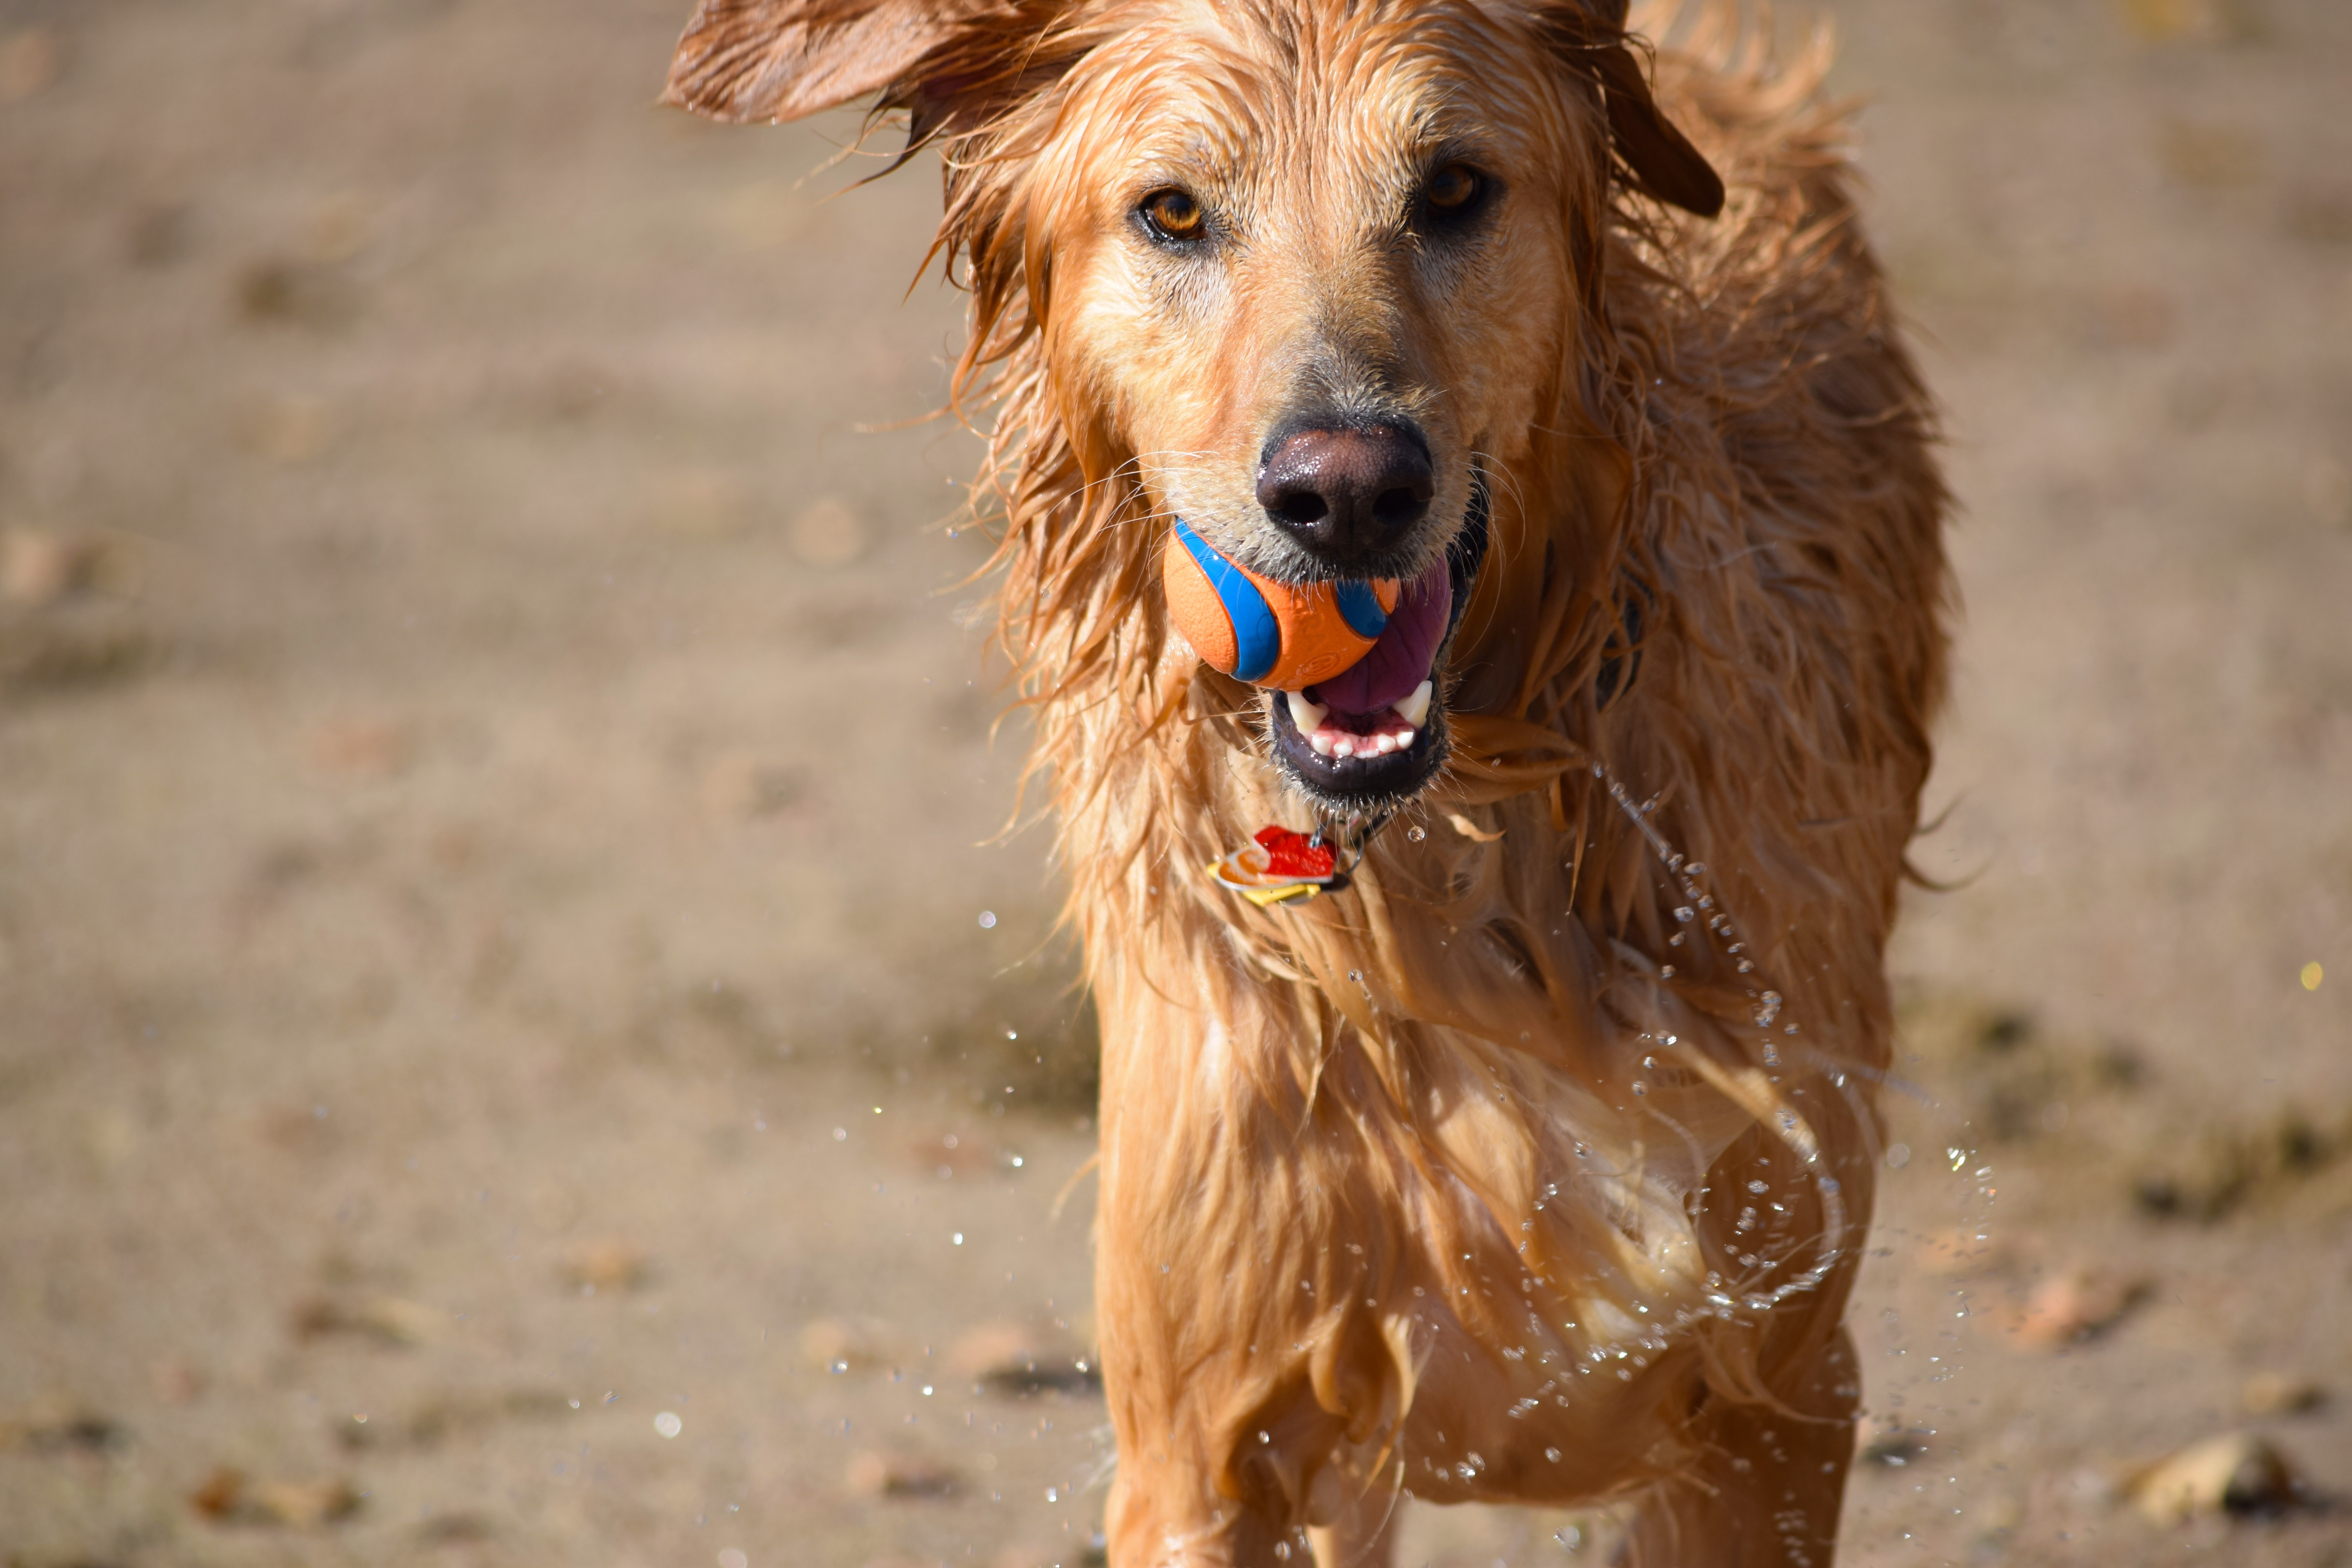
(521, 1039)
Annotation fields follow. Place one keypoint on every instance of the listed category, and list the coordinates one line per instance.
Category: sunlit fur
(1436, 1184)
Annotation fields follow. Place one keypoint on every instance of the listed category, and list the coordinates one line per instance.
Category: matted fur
(1438, 1185)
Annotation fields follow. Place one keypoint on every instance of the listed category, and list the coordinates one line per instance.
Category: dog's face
(1322, 277)
(1314, 274)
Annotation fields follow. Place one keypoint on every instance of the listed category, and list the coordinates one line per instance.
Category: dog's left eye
(1453, 192)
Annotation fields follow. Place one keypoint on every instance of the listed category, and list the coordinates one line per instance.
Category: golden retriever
(1528, 1161)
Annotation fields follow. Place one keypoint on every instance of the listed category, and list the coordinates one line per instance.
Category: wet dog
(1527, 1160)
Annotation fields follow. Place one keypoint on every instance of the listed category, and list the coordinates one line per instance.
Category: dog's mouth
(1374, 735)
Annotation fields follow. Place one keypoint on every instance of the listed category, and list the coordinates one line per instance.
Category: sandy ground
(516, 1045)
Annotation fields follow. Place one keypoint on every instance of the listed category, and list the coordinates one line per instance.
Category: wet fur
(1436, 1185)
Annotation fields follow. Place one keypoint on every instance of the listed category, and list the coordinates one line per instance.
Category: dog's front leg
(1356, 1525)
(1764, 1485)
(1229, 1302)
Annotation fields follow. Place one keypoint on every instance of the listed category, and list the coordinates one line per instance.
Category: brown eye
(1453, 189)
(1174, 215)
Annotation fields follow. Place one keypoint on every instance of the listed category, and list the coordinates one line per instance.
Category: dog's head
(1318, 276)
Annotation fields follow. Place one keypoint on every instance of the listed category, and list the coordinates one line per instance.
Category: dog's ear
(770, 60)
(1659, 158)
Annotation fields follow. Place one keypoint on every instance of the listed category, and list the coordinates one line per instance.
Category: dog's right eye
(1174, 215)
(1454, 196)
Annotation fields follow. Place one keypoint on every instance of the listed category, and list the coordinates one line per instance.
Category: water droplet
(734, 1557)
(988, 919)
(1686, 913)
(958, 1238)
(1897, 1156)
(1416, 833)
(668, 1424)
(839, 1367)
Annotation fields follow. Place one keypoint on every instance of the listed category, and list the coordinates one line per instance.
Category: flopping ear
(1658, 158)
(770, 60)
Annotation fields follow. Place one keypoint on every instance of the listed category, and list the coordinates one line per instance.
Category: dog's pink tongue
(1400, 660)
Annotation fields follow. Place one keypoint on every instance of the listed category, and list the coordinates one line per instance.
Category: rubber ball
(1264, 632)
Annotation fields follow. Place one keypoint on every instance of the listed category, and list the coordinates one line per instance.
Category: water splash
(1701, 908)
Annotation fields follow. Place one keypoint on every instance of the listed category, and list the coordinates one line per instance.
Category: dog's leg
(1242, 1250)
(1201, 1245)
(1764, 1485)
(1361, 1527)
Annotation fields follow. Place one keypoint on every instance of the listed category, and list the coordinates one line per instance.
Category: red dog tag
(1279, 866)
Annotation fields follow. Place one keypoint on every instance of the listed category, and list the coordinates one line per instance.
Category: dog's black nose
(1347, 491)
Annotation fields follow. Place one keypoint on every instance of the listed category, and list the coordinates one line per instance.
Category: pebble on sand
(39, 567)
(2280, 1393)
(1014, 1358)
(231, 1497)
(901, 1475)
(835, 1344)
(2236, 1472)
(387, 1320)
(2078, 1304)
(607, 1263)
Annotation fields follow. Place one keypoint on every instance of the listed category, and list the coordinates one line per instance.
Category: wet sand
(522, 1038)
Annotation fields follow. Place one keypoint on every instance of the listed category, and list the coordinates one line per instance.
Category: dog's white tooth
(1322, 747)
(1415, 709)
(1405, 738)
(1305, 714)
(1385, 744)
(1344, 746)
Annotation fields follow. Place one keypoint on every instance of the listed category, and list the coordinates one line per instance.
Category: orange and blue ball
(1267, 633)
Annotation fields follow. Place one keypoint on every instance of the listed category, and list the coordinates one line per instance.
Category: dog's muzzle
(1374, 735)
